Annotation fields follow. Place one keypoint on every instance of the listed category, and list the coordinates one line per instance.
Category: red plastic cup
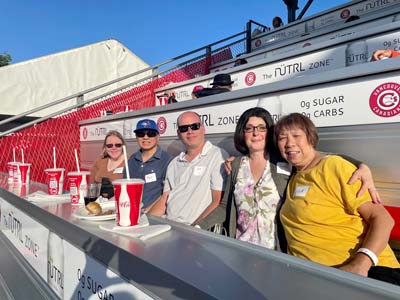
(10, 170)
(55, 181)
(128, 196)
(163, 100)
(23, 173)
(78, 186)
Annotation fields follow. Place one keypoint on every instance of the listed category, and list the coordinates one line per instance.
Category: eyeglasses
(109, 146)
(149, 133)
(260, 128)
(185, 128)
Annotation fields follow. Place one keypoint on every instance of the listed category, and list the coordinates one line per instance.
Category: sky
(154, 30)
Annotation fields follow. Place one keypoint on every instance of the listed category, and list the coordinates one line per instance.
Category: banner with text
(345, 55)
(28, 236)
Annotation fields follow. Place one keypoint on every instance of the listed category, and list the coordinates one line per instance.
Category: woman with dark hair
(323, 220)
(256, 185)
(111, 162)
(254, 188)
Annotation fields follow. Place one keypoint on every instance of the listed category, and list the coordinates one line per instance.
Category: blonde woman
(111, 162)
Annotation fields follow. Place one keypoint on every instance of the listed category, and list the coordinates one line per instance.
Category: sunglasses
(109, 146)
(149, 133)
(185, 128)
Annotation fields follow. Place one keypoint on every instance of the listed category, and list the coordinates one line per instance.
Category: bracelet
(370, 254)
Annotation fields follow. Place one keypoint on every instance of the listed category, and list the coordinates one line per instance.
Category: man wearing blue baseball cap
(150, 162)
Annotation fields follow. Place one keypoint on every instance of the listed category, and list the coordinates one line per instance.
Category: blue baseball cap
(146, 124)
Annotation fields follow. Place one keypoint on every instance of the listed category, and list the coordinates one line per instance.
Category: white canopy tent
(30, 84)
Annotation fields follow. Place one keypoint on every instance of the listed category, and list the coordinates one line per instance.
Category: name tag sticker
(150, 177)
(283, 168)
(301, 191)
(199, 170)
(118, 170)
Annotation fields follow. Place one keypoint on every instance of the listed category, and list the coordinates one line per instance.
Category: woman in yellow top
(111, 162)
(323, 220)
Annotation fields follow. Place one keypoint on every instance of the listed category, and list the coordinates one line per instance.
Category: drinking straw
(22, 154)
(76, 159)
(14, 154)
(126, 163)
(54, 158)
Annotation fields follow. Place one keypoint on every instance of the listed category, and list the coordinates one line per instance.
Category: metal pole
(304, 10)
(248, 37)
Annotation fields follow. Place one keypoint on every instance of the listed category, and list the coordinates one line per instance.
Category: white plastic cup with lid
(78, 186)
(10, 171)
(55, 180)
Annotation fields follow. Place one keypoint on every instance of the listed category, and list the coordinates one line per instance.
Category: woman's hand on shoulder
(364, 174)
(228, 164)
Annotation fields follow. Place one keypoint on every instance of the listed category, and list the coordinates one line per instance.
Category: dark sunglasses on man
(185, 128)
(109, 146)
(149, 133)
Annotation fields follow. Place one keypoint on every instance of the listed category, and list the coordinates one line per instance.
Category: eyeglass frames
(149, 133)
(260, 128)
(118, 145)
(185, 128)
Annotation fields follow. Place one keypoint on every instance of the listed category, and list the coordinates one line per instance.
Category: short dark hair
(238, 137)
(297, 120)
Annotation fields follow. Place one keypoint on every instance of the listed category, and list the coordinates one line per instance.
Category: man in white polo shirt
(195, 179)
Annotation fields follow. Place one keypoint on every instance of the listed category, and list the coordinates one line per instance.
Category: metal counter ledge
(190, 263)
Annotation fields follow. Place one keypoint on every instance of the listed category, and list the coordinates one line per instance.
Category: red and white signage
(99, 131)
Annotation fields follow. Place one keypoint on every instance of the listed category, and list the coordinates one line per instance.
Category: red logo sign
(84, 133)
(162, 124)
(384, 100)
(258, 43)
(345, 14)
(250, 78)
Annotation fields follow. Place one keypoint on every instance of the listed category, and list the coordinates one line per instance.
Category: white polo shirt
(190, 183)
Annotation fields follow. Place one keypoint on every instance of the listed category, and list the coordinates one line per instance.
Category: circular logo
(257, 43)
(345, 14)
(250, 78)
(85, 133)
(162, 124)
(384, 100)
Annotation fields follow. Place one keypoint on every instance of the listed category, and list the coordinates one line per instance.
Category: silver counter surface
(189, 263)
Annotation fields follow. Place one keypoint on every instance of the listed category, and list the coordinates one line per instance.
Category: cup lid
(129, 181)
(78, 173)
(54, 169)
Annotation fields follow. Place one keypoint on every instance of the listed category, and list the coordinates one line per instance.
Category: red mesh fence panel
(63, 132)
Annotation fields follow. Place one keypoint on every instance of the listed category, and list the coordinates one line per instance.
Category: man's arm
(216, 200)
(159, 208)
(146, 209)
